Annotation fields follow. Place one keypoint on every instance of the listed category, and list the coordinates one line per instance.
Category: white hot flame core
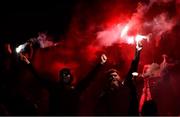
(135, 74)
(20, 47)
(130, 40)
(124, 31)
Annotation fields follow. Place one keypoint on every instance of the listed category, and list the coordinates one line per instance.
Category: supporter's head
(113, 78)
(65, 76)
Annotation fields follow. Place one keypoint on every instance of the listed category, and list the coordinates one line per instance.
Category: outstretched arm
(44, 82)
(133, 109)
(83, 84)
(134, 63)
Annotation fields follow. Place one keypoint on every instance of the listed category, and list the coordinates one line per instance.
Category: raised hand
(23, 58)
(139, 46)
(103, 58)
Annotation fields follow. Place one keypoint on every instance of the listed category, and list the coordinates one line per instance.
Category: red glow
(139, 38)
(130, 40)
(124, 31)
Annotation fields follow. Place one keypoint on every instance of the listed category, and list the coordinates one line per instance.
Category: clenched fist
(103, 58)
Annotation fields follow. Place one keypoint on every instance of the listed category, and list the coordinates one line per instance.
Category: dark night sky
(24, 19)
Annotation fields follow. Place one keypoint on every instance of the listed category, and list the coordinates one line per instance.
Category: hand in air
(139, 46)
(23, 58)
(103, 58)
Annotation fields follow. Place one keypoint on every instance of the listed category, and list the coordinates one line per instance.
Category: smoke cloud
(138, 24)
(100, 29)
(103, 26)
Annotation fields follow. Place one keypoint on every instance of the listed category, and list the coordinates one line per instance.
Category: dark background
(23, 19)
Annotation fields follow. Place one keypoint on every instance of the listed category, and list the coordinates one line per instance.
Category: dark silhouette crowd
(118, 97)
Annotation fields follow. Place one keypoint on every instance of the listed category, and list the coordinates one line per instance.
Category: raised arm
(83, 84)
(134, 63)
(46, 82)
(133, 109)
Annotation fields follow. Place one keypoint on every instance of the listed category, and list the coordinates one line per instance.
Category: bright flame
(20, 47)
(135, 74)
(140, 37)
(130, 40)
(124, 31)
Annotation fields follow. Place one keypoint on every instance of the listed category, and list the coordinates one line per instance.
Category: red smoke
(98, 25)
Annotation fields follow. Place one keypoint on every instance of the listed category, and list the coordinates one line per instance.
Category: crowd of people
(118, 97)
